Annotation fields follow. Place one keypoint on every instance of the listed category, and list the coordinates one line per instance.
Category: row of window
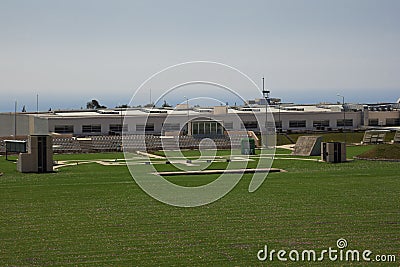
(211, 127)
(297, 124)
(316, 124)
(324, 123)
(301, 124)
(149, 127)
(93, 128)
(116, 128)
(389, 122)
(207, 128)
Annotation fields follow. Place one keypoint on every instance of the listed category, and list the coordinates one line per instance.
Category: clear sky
(70, 52)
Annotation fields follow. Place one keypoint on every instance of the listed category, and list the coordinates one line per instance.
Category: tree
(94, 104)
(151, 105)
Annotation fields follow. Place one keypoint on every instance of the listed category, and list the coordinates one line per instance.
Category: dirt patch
(388, 152)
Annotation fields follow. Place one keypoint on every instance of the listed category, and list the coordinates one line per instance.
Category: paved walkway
(174, 173)
(289, 147)
(149, 155)
(144, 159)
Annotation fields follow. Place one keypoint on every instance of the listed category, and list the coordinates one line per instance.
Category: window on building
(64, 129)
(171, 127)
(94, 128)
(207, 128)
(228, 125)
(248, 125)
(297, 124)
(201, 127)
(213, 127)
(373, 122)
(349, 122)
(220, 129)
(195, 128)
(149, 127)
(116, 128)
(278, 124)
(393, 122)
(323, 123)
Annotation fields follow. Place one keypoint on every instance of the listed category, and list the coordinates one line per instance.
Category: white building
(214, 120)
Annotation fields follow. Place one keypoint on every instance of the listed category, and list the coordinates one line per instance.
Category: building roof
(195, 111)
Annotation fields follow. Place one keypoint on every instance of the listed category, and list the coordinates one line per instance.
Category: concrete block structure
(334, 152)
(308, 146)
(39, 157)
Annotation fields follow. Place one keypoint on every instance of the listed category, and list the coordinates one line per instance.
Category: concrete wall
(220, 110)
(38, 125)
(78, 122)
(7, 125)
(105, 121)
(31, 124)
(310, 117)
(383, 115)
(26, 124)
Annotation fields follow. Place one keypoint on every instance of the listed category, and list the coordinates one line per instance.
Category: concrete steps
(86, 145)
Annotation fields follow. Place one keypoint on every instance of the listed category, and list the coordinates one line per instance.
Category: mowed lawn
(96, 215)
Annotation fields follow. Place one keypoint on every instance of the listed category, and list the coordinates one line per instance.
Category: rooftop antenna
(265, 92)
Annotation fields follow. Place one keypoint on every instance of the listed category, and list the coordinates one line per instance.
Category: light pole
(187, 108)
(15, 120)
(266, 96)
(279, 117)
(121, 120)
(344, 118)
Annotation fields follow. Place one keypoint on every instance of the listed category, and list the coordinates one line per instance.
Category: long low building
(213, 120)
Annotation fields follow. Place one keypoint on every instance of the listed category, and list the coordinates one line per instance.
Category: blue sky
(69, 52)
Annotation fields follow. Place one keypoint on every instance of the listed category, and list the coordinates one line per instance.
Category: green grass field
(96, 215)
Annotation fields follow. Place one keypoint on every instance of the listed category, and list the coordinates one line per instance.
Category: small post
(266, 96)
(151, 104)
(187, 109)
(279, 117)
(15, 121)
(122, 121)
(344, 118)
